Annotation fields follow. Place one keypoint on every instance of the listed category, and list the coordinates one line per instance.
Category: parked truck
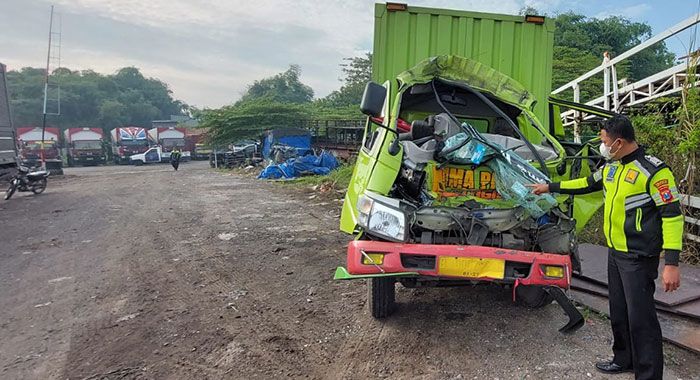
(127, 141)
(8, 146)
(84, 146)
(169, 138)
(453, 136)
(32, 148)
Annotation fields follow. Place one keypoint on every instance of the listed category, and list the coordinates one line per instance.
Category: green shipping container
(522, 50)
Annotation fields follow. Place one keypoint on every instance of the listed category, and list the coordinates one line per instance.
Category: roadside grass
(589, 313)
(592, 233)
(338, 179)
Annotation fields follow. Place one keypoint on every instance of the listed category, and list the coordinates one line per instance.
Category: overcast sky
(208, 51)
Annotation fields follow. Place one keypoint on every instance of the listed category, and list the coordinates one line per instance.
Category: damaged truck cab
(439, 194)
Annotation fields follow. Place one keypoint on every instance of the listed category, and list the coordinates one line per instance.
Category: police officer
(642, 218)
(175, 158)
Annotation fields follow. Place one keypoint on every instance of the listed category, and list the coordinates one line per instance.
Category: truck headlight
(382, 216)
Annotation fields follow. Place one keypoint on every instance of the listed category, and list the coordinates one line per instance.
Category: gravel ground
(145, 273)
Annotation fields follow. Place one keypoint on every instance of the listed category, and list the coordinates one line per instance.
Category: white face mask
(605, 151)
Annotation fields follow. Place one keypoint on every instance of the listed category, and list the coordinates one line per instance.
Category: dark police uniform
(175, 158)
(642, 218)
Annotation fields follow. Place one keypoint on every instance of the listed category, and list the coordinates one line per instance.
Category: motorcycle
(27, 180)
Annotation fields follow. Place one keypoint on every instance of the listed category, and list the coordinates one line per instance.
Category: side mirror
(373, 99)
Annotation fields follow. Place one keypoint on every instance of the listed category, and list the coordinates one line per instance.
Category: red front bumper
(425, 259)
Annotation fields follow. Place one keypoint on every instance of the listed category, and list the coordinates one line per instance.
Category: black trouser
(175, 163)
(635, 326)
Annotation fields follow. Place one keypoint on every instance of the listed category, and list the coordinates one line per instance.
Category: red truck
(127, 141)
(169, 138)
(84, 146)
(29, 141)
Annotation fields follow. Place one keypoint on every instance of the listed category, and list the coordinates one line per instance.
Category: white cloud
(209, 51)
(632, 12)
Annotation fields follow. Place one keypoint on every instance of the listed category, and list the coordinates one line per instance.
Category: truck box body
(522, 50)
(31, 148)
(169, 138)
(84, 146)
(29, 139)
(8, 147)
(195, 142)
(127, 141)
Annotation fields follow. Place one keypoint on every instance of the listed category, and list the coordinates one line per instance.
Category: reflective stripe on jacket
(642, 207)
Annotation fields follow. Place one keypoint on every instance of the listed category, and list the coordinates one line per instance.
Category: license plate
(453, 181)
(471, 267)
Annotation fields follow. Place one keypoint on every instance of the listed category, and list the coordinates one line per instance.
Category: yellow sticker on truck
(453, 181)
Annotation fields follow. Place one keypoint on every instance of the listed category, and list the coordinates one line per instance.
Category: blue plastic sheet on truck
(513, 174)
(296, 167)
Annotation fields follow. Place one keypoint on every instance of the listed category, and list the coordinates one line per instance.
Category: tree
(112, 114)
(249, 118)
(284, 87)
(588, 38)
(357, 72)
(90, 99)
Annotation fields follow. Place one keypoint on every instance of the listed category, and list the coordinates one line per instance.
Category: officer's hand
(539, 188)
(671, 278)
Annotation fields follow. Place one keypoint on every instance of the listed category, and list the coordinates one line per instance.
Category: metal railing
(616, 96)
(692, 217)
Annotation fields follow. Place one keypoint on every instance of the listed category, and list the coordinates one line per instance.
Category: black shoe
(610, 368)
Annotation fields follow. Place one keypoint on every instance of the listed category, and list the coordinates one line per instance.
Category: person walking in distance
(642, 218)
(175, 158)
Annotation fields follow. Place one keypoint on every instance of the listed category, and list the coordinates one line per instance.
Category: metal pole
(577, 114)
(46, 91)
(606, 81)
(615, 90)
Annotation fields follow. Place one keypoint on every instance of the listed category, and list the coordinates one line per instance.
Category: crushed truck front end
(446, 202)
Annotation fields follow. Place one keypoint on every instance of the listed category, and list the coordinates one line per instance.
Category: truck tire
(381, 296)
(533, 297)
(138, 162)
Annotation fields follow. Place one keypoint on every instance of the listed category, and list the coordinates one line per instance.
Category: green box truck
(453, 137)
(520, 47)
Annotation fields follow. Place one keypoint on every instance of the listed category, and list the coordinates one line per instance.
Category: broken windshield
(446, 136)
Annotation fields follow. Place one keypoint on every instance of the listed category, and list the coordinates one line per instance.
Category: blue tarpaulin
(297, 138)
(295, 167)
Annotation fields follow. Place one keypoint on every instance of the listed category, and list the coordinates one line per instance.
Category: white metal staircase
(618, 96)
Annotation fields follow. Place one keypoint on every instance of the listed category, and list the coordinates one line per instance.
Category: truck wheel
(138, 162)
(533, 297)
(381, 296)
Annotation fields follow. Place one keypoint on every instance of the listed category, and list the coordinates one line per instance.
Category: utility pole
(57, 62)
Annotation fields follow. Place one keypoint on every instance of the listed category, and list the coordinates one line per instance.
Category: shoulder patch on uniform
(653, 160)
(664, 191)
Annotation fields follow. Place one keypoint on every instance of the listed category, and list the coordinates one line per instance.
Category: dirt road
(124, 272)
